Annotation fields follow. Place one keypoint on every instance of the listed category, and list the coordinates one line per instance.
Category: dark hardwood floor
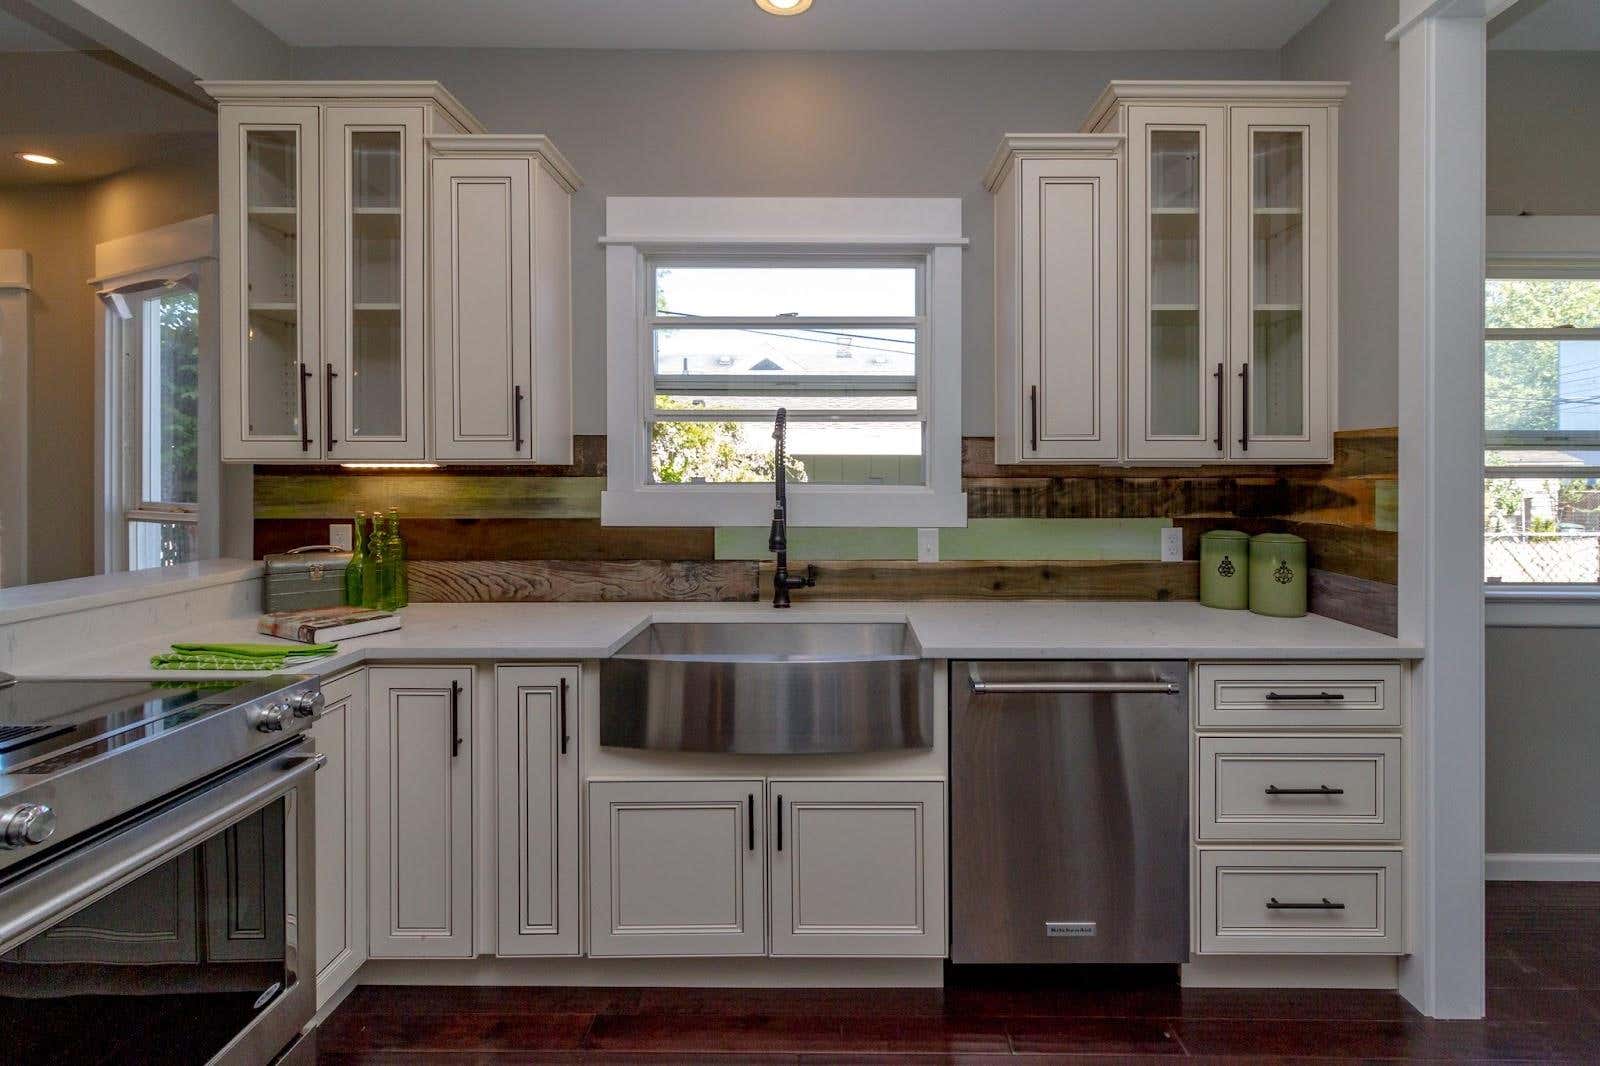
(1544, 1006)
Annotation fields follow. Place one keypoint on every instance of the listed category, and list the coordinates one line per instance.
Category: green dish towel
(187, 656)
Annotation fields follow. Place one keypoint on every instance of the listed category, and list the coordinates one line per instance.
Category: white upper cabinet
(502, 299)
(1058, 335)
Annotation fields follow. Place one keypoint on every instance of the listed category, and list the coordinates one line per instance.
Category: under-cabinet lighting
(390, 466)
(39, 159)
(783, 7)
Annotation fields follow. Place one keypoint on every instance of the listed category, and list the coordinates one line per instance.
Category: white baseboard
(1542, 866)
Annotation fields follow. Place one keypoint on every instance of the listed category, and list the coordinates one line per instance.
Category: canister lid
(1277, 538)
(1227, 536)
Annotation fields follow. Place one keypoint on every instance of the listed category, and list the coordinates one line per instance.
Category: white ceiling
(848, 25)
(1548, 25)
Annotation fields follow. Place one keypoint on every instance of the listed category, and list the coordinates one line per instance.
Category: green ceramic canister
(1278, 578)
(1225, 569)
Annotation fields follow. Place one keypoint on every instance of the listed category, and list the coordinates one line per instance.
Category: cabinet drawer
(1298, 695)
(1299, 788)
(1309, 901)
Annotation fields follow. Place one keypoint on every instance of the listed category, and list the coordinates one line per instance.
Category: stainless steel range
(156, 870)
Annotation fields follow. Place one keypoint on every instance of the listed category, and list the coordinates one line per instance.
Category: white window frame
(129, 270)
(642, 230)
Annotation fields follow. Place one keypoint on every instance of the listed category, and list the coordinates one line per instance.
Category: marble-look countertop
(1014, 629)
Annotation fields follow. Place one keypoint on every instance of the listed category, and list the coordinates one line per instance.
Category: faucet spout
(778, 533)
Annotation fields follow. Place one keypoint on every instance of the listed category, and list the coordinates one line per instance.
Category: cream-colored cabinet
(858, 868)
(499, 255)
(419, 770)
(536, 789)
(1232, 253)
(340, 734)
(1058, 297)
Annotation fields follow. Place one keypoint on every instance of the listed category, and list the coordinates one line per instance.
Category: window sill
(724, 505)
(1553, 606)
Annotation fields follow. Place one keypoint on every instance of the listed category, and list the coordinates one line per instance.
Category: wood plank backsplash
(478, 533)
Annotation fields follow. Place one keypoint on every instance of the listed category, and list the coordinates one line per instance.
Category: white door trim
(16, 284)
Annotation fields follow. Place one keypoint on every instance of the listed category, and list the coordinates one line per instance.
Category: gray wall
(782, 124)
(1345, 43)
(1543, 133)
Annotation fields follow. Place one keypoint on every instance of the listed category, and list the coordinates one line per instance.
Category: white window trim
(185, 249)
(645, 226)
(16, 286)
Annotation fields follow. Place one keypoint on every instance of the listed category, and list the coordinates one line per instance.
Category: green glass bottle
(400, 588)
(358, 559)
(374, 571)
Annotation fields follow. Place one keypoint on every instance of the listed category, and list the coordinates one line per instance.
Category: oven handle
(44, 897)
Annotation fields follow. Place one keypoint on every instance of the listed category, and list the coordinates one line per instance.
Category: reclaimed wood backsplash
(534, 533)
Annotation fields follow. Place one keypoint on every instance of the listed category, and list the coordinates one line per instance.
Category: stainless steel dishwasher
(1069, 812)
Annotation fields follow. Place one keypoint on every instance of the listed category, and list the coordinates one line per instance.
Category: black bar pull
(750, 818)
(1244, 407)
(1320, 790)
(780, 821)
(1033, 403)
(305, 424)
(328, 408)
(1220, 390)
(1325, 905)
(455, 719)
(563, 716)
(516, 416)
(1282, 697)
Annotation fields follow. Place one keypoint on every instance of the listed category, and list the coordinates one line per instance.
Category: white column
(1442, 65)
(16, 282)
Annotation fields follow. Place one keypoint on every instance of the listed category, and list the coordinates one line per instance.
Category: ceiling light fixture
(39, 159)
(783, 7)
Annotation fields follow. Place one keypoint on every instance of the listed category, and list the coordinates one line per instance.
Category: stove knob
(268, 718)
(31, 823)
(306, 704)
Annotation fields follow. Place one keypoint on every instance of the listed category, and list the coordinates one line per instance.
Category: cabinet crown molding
(489, 144)
(1013, 145)
(387, 92)
(1211, 92)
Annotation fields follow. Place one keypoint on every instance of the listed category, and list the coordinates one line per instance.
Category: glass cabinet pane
(271, 255)
(1277, 284)
(376, 285)
(1175, 379)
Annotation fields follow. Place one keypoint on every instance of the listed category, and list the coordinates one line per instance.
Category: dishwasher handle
(1165, 688)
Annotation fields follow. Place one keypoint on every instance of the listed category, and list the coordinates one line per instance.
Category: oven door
(183, 937)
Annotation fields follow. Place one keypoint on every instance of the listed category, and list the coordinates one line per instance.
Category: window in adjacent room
(1542, 426)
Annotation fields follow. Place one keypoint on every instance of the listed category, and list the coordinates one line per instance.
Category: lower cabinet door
(341, 819)
(536, 790)
(420, 777)
(675, 868)
(858, 868)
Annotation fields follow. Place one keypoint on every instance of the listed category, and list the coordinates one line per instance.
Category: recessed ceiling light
(39, 159)
(783, 7)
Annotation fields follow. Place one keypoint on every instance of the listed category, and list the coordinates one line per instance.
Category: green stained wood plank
(983, 538)
(427, 496)
(819, 542)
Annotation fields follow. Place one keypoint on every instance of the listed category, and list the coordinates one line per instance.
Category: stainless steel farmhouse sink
(768, 688)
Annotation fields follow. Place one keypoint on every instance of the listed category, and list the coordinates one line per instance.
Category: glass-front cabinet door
(270, 294)
(1283, 238)
(1177, 294)
(371, 373)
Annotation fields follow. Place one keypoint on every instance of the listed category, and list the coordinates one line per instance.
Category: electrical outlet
(927, 545)
(342, 536)
(1172, 545)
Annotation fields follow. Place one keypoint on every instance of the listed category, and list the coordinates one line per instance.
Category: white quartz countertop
(1015, 629)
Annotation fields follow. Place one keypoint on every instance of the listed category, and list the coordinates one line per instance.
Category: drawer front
(1301, 902)
(1298, 695)
(1332, 789)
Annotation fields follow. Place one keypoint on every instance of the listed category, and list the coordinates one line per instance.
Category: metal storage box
(306, 577)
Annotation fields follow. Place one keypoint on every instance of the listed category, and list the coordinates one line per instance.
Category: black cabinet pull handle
(516, 417)
(1325, 905)
(328, 409)
(305, 424)
(750, 819)
(455, 719)
(1282, 697)
(780, 822)
(1320, 790)
(1244, 407)
(563, 716)
(1219, 406)
(1033, 403)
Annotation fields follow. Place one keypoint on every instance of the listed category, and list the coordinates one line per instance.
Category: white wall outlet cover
(927, 545)
(342, 536)
(1172, 545)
